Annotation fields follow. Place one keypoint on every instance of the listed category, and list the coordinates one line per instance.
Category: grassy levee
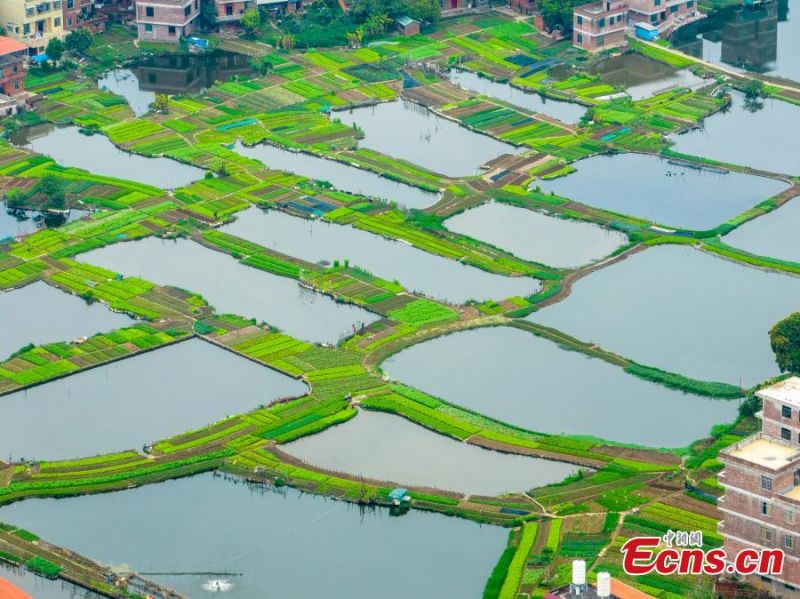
(517, 566)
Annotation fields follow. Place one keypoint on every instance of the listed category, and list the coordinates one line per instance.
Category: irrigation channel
(419, 271)
(39, 313)
(232, 287)
(218, 525)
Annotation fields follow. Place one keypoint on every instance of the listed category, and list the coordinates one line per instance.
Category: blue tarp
(40, 58)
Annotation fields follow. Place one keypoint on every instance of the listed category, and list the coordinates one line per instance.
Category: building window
(57, 4)
(186, 10)
(601, 23)
(656, 2)
(786, 434)
(764, 508)
(70, 4)
(148, 27)
(26, 28)
(789, 516)
(766, 483)
(580, 38)
(690, 4)
(580, 20)
(57, 22)
(171, 30)
(16, 85)
(229, 9)
(766, 535)
(149, 11)
(788, 541)
(673, 8)
(69, 21)
(786, 412)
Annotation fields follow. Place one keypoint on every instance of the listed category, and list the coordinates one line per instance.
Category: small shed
(646, 31)
(407, 26)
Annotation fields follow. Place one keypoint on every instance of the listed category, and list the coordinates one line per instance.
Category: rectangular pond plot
(412, 132)
(39, 313)
(232, 287)
(764, 38)
(135, 401)
(434, 276)
(530, 382)
(123, 82)
(662, 191)
(535, 236)
(761, 135)
(390, 448)
(96, 154)
(567, 112)
(341, 176)
(773, 234)
(642, 77)
(267, 544)
(681, 310)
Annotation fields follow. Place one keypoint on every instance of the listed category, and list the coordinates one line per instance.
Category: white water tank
(579, 573)
(603, 584)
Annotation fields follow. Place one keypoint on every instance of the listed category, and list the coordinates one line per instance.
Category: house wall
(12, 77)
(34, 24)
(168, 20)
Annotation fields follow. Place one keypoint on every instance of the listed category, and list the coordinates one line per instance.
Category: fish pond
(420, 271)
(774, 234)
(39, 313)
(101, 157)
(15, 223)
(642, 77)
(142, 399)
(386, 447)
(662, 191)
(763, 39)
(535, 236)
(409, 131)
(341, 176)
(123, 82)
(761, 134)
(567, 112)
(232, 287)
(533, 383)
(266, 544)
(681, 310)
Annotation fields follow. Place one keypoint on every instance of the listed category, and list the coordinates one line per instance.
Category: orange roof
(624, 591)
(9, 45)
(9, 591)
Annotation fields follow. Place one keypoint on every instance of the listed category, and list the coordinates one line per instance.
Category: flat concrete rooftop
(786, 391)
(765, 453)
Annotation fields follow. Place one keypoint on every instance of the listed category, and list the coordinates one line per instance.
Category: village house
(407, 26)
(761, 479)
(166, 20)
(32, 23)
(83, 14)
(523, 7)
(602, 25)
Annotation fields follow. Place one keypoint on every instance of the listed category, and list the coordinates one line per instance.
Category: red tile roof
(9, 591)
(9, 45)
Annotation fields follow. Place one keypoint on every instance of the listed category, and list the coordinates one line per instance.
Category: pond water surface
(42, 588)
(765, 139)
(341, 176)
(764, 39)
(387, 447)
(101, 157)
(568, 112)
(14, 223)
(519, 378)
(39, 313)
(317, 241)
(535, 236)
(409, 131)
(142, 399)
(123, 82)
(232, 287)
(282, 545)
(643, 77)
(681, 310)
(774, 234)
(662, 191)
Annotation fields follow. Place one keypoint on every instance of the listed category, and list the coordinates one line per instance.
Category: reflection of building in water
(750, 37)
(184, 74)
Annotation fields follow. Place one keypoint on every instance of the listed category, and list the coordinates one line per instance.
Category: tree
(79, 41)
(558, 13)
(161, 103)
(425, 11)
(55, 49)
(208, 15)
(251, 21)
(785, 340)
